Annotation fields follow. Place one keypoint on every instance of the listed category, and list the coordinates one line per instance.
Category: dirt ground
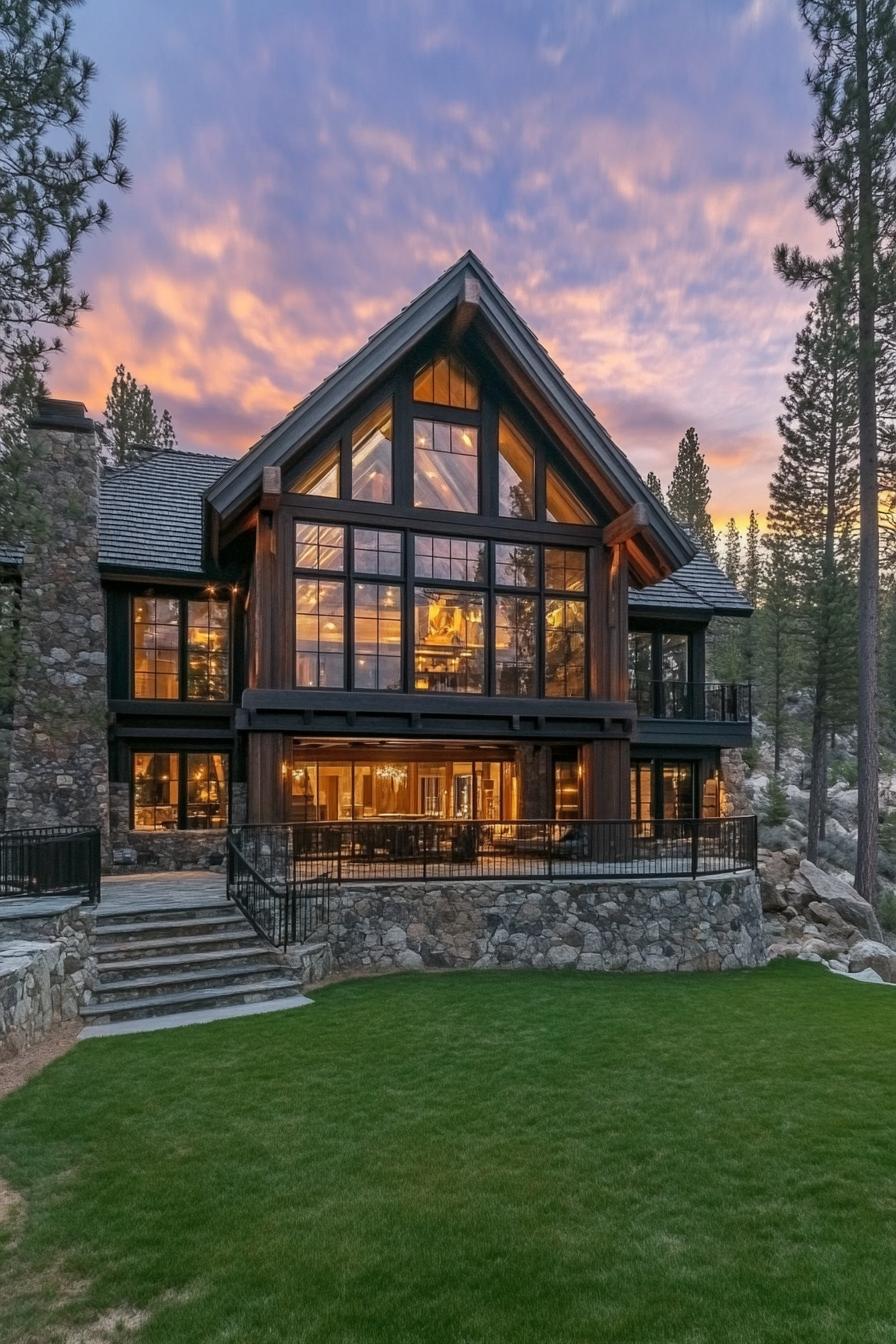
(16, 1071)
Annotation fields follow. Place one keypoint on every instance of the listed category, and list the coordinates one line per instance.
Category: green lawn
(526, 1157)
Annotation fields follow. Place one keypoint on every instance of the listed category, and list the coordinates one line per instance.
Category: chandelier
(394, 775)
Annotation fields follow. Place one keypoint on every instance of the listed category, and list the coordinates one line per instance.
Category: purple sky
(303, 168)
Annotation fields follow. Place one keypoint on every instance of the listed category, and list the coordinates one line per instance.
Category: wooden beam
(626, 525)
(466, 310)
(271, 489)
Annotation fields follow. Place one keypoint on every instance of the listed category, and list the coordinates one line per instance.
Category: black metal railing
(284, 906)
(50, 861)
(709, 701)
(384, 850)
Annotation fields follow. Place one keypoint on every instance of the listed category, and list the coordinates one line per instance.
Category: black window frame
(183, 754)
(183, 599)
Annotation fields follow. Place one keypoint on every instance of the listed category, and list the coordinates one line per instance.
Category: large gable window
(562, 506)
(372, 457)
(446, 466)
(447, 381)
(516, 473)
(321, 478)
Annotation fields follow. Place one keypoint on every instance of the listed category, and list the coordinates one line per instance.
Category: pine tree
(813, 502)
(131, 419)
(652, 481)
(777, 661)
(689, 492)
(852, 169)
(724, 645)
(732, 552)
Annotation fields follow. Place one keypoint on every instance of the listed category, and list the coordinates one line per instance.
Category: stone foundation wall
(165, 851)
(634, 925)
(46, 971)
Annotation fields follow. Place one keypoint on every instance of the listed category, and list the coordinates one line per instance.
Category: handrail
(40, 861)
(283, 911)
(702, 701)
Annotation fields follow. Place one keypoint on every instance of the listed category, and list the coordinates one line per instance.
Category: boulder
(819, 947)
(835, 925)
(847, 902)
(867, 954)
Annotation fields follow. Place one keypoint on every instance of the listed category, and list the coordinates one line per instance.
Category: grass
(474, 1157)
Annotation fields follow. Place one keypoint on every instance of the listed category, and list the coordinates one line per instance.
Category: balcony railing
(709, 701)
(50, 861)
(293, 857)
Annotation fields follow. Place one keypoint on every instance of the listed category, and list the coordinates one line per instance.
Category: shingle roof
(699, 587)
(151, 513)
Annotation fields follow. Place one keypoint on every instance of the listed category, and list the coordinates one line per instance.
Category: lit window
(320, 548)
(321, 478)
(564, 648)
(564, 570)
(208, 650)
(156, 648)
(320, 636)
(516, 473)
(377, 552)
(446, 381)
(206, 790)
(372, 457)
(448, 640)
(562, 505)
(516, 566)
(377, 637)
(156, 790)
(449, 558)
(446, 466)
(514, 645)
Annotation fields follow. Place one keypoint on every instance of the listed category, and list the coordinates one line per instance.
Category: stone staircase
(170, 965)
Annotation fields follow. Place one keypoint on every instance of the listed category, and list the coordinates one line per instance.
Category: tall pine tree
(852, 171)
(131, 418)
(777, 660)
(689, 492)
(652, 481)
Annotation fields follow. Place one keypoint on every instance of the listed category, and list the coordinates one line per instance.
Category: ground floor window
(663, 789)
(402, 784)
(179, 790)
(567, 789)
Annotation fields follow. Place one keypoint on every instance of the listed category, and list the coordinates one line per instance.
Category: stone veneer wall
(638, 924)
(151, 851)
(46, 969)
(58, 767)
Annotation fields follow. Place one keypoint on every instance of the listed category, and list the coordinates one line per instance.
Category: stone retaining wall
(632, 925)
(46, 969)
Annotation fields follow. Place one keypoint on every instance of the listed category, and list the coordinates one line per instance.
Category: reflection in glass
(561, 504)
(321, 478)
(155, 790)
(446, 466)
(514, 645)
(377, 552)
(564, 648)
(448, 641)
(449, 558)
(516, 473)
(206, 782)
(377, 637)
(320, 659)
(447, 381)
(516, 565)
(564, 570)
(641, 786)
(208, 650)
(320, 547)
(156, 648)
(678, 790)
(372, 457)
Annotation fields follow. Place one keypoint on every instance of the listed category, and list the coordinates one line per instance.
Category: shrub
(777, 808)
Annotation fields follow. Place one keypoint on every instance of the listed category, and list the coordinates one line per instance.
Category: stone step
(135, 914)
(183, 961)
(185, 979)
(140, 928)
(199, 1016)
(160, 1004)
(200, 942)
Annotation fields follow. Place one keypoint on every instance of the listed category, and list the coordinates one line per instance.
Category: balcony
(693, 701)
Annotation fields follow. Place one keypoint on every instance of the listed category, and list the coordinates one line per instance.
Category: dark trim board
(699, 733)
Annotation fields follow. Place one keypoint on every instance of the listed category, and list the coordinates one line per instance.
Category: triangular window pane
(447, 381)
(321, 478)
(372, 457)
(562, 504)
(516, 473)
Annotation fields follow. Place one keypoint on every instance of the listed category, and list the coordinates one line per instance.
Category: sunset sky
(302, 168)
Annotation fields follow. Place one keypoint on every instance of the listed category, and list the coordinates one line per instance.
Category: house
(436, 589)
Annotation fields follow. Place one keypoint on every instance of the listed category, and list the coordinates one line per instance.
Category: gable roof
(699, 587)
(662, 546)
(151, 513)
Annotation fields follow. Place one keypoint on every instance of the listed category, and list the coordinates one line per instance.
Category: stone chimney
(58, 763)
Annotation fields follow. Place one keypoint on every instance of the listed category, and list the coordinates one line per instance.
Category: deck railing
(50, 861)
(387, 850)
(283, 906)
(706, 701)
